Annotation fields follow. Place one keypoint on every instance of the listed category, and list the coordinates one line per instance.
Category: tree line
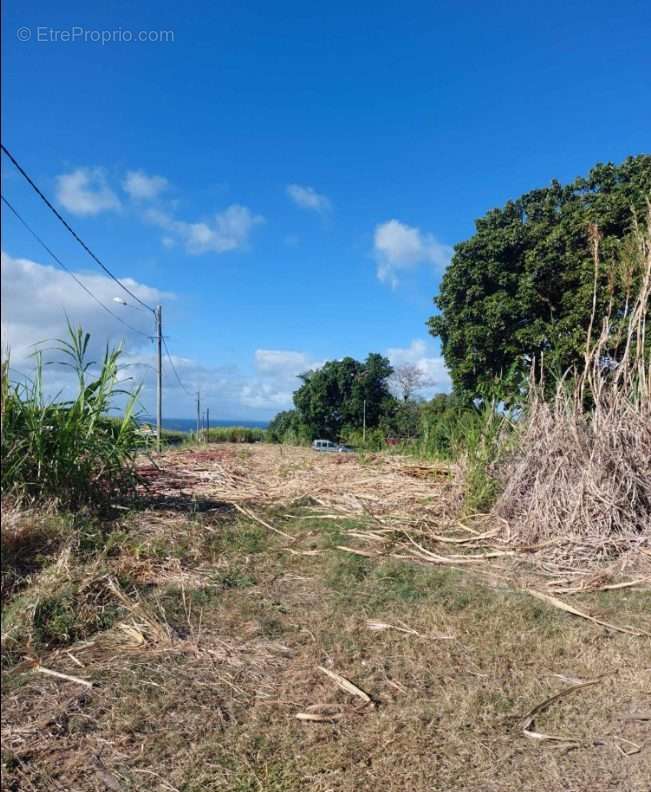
(518, 299)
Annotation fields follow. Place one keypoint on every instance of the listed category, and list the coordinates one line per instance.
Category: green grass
(67, 617)
(354, 578)
(57, 609)
(239, 538)
(234, 577)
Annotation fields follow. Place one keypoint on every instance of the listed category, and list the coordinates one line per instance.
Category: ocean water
(190, 424)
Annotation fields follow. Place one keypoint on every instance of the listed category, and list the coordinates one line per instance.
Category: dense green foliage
(287, 427)
(69, 452)
(431, 428)
(335, 397)
(521, 288)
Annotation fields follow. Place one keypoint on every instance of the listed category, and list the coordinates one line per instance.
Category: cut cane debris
(377, 626)
(529, 718)
(320, 713)
(315, 717)
(635, 749)
(347, 686)
(355, 551)
(588, 588)
(58, 675)
(252, 516)
(462, 540)
(556, 603)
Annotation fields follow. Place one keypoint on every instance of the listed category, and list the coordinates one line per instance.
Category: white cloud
(277, 377)
(398, 246)
(308, 198)
(229, 230)
(265, 396)
(36, 299)
(85, 191)
(281, 360)
(142, 187)
(435, 375)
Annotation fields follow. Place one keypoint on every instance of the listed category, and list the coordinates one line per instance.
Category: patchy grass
(207, 702)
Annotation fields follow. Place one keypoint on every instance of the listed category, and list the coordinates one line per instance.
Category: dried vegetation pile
(579, 484)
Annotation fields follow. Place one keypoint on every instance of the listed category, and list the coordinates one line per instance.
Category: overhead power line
(69, 271)
(176, 374)
(36, 189)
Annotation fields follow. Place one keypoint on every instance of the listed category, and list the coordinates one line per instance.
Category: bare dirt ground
(279, 620)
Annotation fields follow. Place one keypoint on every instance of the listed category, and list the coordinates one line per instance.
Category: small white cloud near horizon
(229, 230)
(399, 247)
(142, 187)
(436, 378)
(85, 192)
(308, 198)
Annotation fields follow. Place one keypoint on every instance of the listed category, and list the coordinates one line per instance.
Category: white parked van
(328, 445)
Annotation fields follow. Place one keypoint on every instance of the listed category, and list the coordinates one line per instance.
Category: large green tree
(520, 289)
(332, 398)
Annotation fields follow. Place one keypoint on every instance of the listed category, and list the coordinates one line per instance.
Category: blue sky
(289, 179)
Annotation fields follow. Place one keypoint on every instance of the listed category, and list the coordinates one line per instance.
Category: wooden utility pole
(207, 424)
(198, 414)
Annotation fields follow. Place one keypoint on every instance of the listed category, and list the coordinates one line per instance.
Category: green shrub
(482, 443)
(375, 439)
(477, 437)
(287, 427)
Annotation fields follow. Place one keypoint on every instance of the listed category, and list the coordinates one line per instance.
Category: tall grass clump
(474, 437)
(481, 440)
(69, 453)
(579, 480)
(235, 434)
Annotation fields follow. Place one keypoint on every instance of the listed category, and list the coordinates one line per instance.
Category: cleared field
(278, 620)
